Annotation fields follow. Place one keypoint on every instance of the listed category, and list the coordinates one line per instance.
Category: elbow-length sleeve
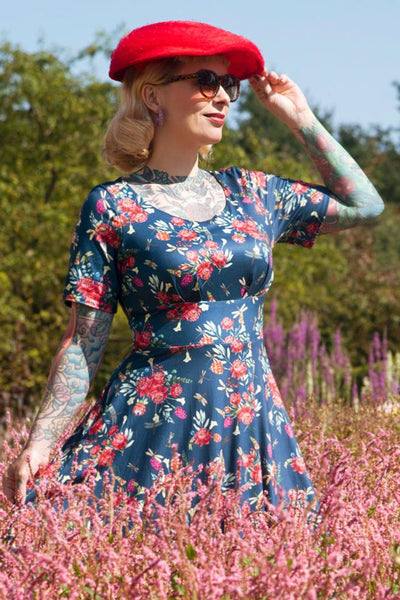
(92, 277)
(296, 209)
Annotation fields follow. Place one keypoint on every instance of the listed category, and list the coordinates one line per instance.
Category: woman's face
(189, 117)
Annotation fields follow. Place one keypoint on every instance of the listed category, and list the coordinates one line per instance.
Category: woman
(187, 253)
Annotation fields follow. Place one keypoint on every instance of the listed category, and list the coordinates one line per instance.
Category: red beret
(185, 38)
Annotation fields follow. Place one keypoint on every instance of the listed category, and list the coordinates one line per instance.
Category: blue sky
(344, 54)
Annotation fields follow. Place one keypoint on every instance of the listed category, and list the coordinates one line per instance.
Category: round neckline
(172, 216)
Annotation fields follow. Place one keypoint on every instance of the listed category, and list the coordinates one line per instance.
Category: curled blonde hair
(128, 139)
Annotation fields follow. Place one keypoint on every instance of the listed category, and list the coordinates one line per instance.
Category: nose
(221, 97)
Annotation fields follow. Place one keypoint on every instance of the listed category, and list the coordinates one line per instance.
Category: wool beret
(185, 38)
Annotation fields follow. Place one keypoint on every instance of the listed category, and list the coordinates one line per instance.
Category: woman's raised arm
(74, 367)
(355, 199)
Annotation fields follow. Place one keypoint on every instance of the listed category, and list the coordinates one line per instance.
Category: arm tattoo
(74, 367)
(356, 198)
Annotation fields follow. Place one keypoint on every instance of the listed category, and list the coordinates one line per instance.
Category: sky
(345, 54)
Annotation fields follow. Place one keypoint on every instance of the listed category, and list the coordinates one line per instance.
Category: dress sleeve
(92, 277)
(296, 209)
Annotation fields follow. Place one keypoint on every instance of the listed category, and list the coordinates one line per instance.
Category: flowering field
(349, 432)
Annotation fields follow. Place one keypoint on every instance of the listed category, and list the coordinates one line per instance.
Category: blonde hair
(127, 143)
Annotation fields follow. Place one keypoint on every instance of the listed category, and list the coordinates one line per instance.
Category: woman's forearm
(72, 372)
(358, 199)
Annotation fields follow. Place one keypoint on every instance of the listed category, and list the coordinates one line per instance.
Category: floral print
(196, 387)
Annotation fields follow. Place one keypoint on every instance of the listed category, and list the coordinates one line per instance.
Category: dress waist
(194, 325)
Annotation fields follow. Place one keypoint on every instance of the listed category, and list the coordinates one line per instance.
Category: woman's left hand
(282, 97)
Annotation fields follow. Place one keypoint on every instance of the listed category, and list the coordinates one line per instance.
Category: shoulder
(104, 196)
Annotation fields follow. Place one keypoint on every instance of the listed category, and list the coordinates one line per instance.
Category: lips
(217, 118)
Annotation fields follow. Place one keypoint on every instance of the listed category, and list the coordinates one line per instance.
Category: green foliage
(51, 129)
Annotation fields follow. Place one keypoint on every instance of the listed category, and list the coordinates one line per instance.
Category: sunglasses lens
(208, 83)
(232, 86)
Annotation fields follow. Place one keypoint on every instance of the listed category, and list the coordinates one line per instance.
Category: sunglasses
(209, 83)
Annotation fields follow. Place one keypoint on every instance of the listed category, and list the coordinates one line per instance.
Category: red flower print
(133, 210)
(120, 221)
(127, 263)
(177, 221)
(119, 441)
(186, 279)
(131, 486)
(258, 179)
(299, 188)
(206, 339)
(238, 368)
(312, 228)
(91, 290)
(289, 430)
(97, 425)
(173, 314)
(155, 463)
(105, 233)
(94, 450)
(235, 398)
(228, 422)
(204, 270)
(158, 396)
(175, 390)
(227, 323)
(298, 465)
(239, 239)
(187, 234)
(236, 345)
(142, 339)
(100, 206)
(245, 414)
(113, 430)
(163, 297)
(163, 236)
(191, 312)
(192, 255)
(203, 437)
(143, 385)
(217, 437)
(316, 197)
(180, 412)
(139, 409)
(217, 367)
(274, 390)
(210, 244)
(138, 282)
(106, 458)
(256, 473)
(218, 258)
(248, 459)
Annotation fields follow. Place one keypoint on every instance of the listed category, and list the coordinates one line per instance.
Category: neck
(175, 164)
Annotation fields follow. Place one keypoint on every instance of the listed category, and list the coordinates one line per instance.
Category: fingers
(14, 484)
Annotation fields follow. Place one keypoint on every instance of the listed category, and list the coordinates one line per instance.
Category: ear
(150, 97)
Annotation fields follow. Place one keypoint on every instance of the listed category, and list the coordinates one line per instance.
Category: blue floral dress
(196, 386)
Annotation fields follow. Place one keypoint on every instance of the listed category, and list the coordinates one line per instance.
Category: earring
(160, 118)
